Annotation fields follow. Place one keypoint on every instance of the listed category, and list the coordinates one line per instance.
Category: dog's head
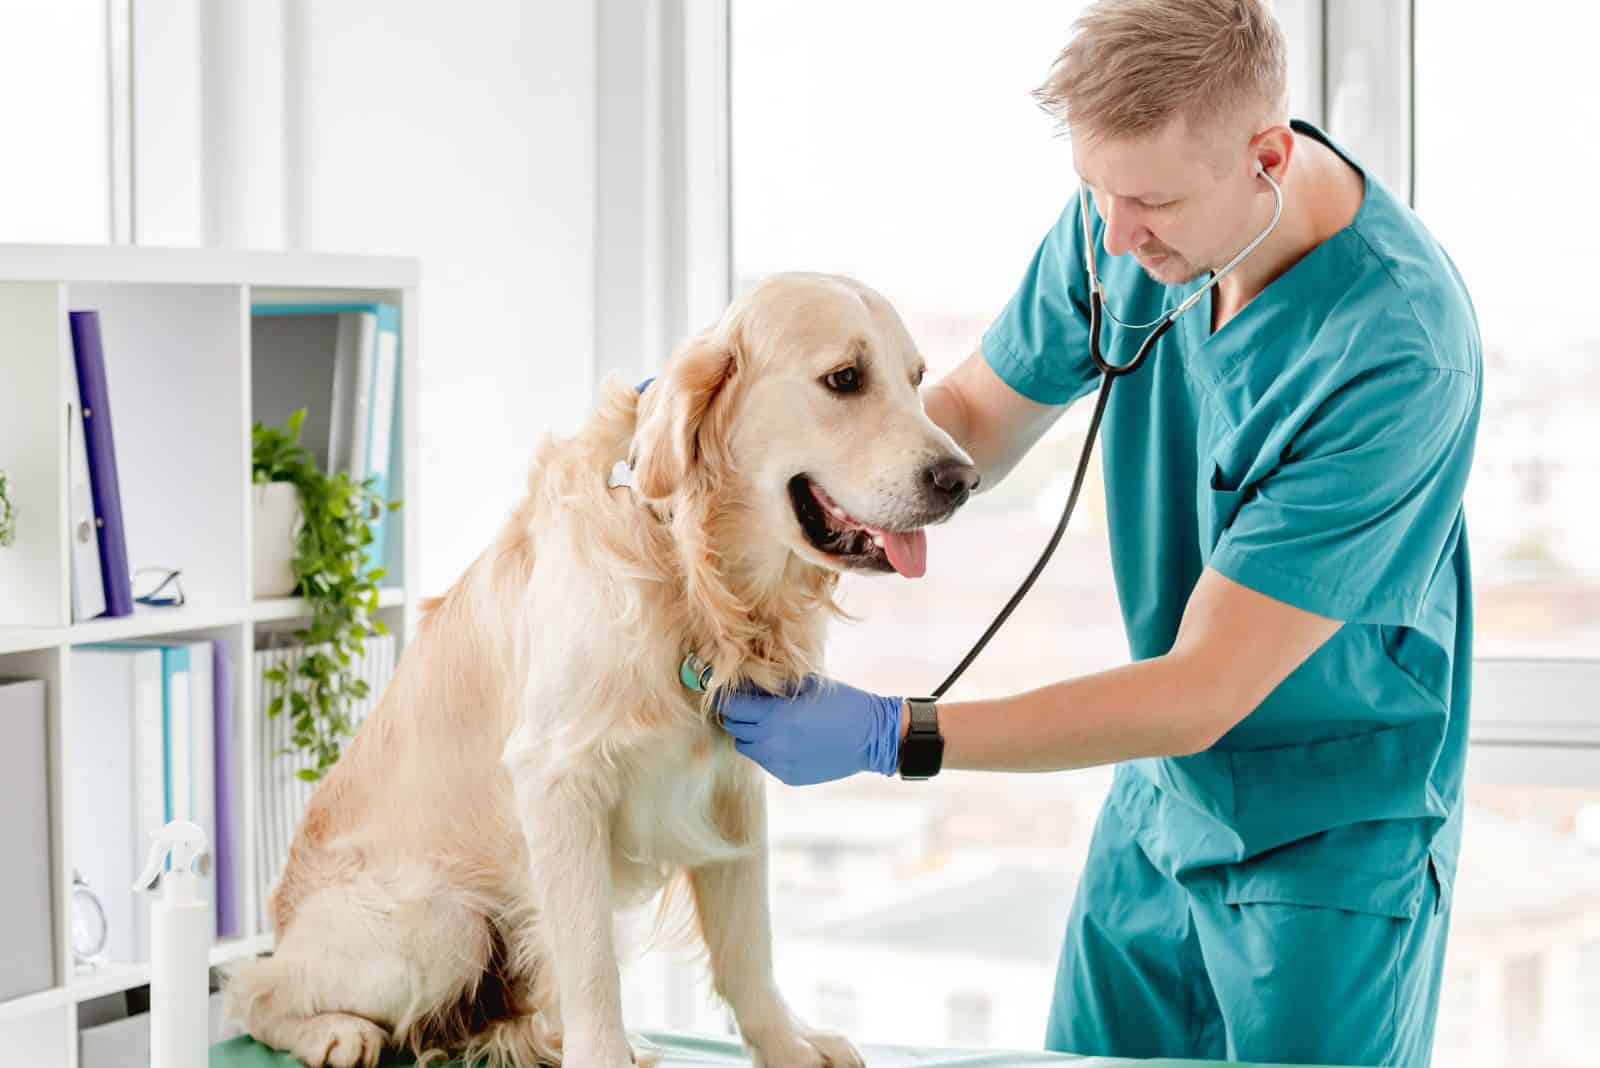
(800, 408)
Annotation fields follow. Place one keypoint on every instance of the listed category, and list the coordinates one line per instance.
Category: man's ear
(673, 413)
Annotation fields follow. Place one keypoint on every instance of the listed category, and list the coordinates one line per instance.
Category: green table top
(685, 1050)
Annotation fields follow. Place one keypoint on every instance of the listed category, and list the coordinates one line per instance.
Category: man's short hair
(1132, 66)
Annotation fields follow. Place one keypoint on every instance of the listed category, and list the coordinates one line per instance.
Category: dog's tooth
(877, 539)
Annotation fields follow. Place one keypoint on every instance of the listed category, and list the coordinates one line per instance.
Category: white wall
(462, 134)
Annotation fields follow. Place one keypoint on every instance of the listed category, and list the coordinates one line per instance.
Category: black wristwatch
(922, 749)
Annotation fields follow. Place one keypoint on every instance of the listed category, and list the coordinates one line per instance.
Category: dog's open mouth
(832, 530)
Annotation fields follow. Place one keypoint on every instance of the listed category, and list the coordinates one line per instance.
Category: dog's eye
(844, 380)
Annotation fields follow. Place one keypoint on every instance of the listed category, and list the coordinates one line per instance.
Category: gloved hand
(823, 730)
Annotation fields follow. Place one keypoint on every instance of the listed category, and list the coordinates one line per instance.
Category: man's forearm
(944, 406)
(1159, 707)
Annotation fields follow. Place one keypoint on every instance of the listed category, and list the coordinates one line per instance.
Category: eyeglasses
(156, 592)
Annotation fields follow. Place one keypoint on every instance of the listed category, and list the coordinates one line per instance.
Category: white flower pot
(277, 523)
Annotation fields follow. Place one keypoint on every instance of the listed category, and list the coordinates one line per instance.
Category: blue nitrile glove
(823, 730)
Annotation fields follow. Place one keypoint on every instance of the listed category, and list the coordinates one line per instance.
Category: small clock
(89, 930)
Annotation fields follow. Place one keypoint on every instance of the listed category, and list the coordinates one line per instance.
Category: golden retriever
(536, 762)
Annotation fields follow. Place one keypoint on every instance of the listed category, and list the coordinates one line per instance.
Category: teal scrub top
(1315, 449)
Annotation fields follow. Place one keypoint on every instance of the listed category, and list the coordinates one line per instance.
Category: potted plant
(326, 532)
(279, 466)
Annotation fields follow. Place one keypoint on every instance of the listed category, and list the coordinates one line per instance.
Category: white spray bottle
(180, 941)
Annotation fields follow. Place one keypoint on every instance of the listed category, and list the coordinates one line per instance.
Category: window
(968, 1013)
(1522, 968)
(55, 187)
(838, 1008)
(1485, 150)
(896, 142)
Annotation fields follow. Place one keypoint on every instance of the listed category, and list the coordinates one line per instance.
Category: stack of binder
(151, 741)
(340, 362)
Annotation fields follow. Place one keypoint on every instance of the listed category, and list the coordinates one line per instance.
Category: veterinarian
(1271, 873)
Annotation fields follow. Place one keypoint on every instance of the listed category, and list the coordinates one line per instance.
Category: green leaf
(308, 775)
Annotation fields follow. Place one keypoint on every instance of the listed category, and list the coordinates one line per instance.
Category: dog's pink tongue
(908, 553)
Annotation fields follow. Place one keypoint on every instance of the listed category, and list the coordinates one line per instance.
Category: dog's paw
(339, 1040)
(806, 1049)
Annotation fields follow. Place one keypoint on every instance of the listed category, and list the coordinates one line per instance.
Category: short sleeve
(1039, 344)
(1365, 509)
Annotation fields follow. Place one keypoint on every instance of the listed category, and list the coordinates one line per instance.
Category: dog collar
(694, 673)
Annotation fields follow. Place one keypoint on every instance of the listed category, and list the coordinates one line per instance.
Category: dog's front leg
(565, 822)
(731, 902)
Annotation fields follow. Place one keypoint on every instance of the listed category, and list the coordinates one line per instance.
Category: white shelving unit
(176, 326)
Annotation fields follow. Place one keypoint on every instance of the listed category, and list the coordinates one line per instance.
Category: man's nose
(1123, 232)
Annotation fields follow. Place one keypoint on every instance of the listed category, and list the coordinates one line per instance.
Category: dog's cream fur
(536, 763)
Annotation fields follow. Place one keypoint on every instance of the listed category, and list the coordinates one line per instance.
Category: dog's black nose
(953, 480)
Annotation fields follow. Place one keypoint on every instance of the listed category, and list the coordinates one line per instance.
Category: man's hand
(823, 730)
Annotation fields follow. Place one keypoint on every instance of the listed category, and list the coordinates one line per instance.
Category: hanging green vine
(328, 568)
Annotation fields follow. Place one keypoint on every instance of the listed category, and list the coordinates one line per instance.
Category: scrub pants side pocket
(1310, 984)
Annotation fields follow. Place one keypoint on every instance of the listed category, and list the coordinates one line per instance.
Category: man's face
(1180, 205)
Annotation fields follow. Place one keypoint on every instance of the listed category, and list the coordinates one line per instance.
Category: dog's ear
(672, 436)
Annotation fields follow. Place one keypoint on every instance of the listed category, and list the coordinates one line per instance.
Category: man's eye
(844, 380)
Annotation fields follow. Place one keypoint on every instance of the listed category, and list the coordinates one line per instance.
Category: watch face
(921, 756)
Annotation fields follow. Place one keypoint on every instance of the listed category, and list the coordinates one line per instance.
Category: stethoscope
(1109, 373)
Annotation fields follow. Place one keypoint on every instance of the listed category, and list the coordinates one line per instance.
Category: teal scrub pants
(1149, 969)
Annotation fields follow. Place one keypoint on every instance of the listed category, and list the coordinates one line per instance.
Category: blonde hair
(1134, 65)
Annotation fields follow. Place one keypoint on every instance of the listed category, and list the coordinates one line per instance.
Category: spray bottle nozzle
(185, 842)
